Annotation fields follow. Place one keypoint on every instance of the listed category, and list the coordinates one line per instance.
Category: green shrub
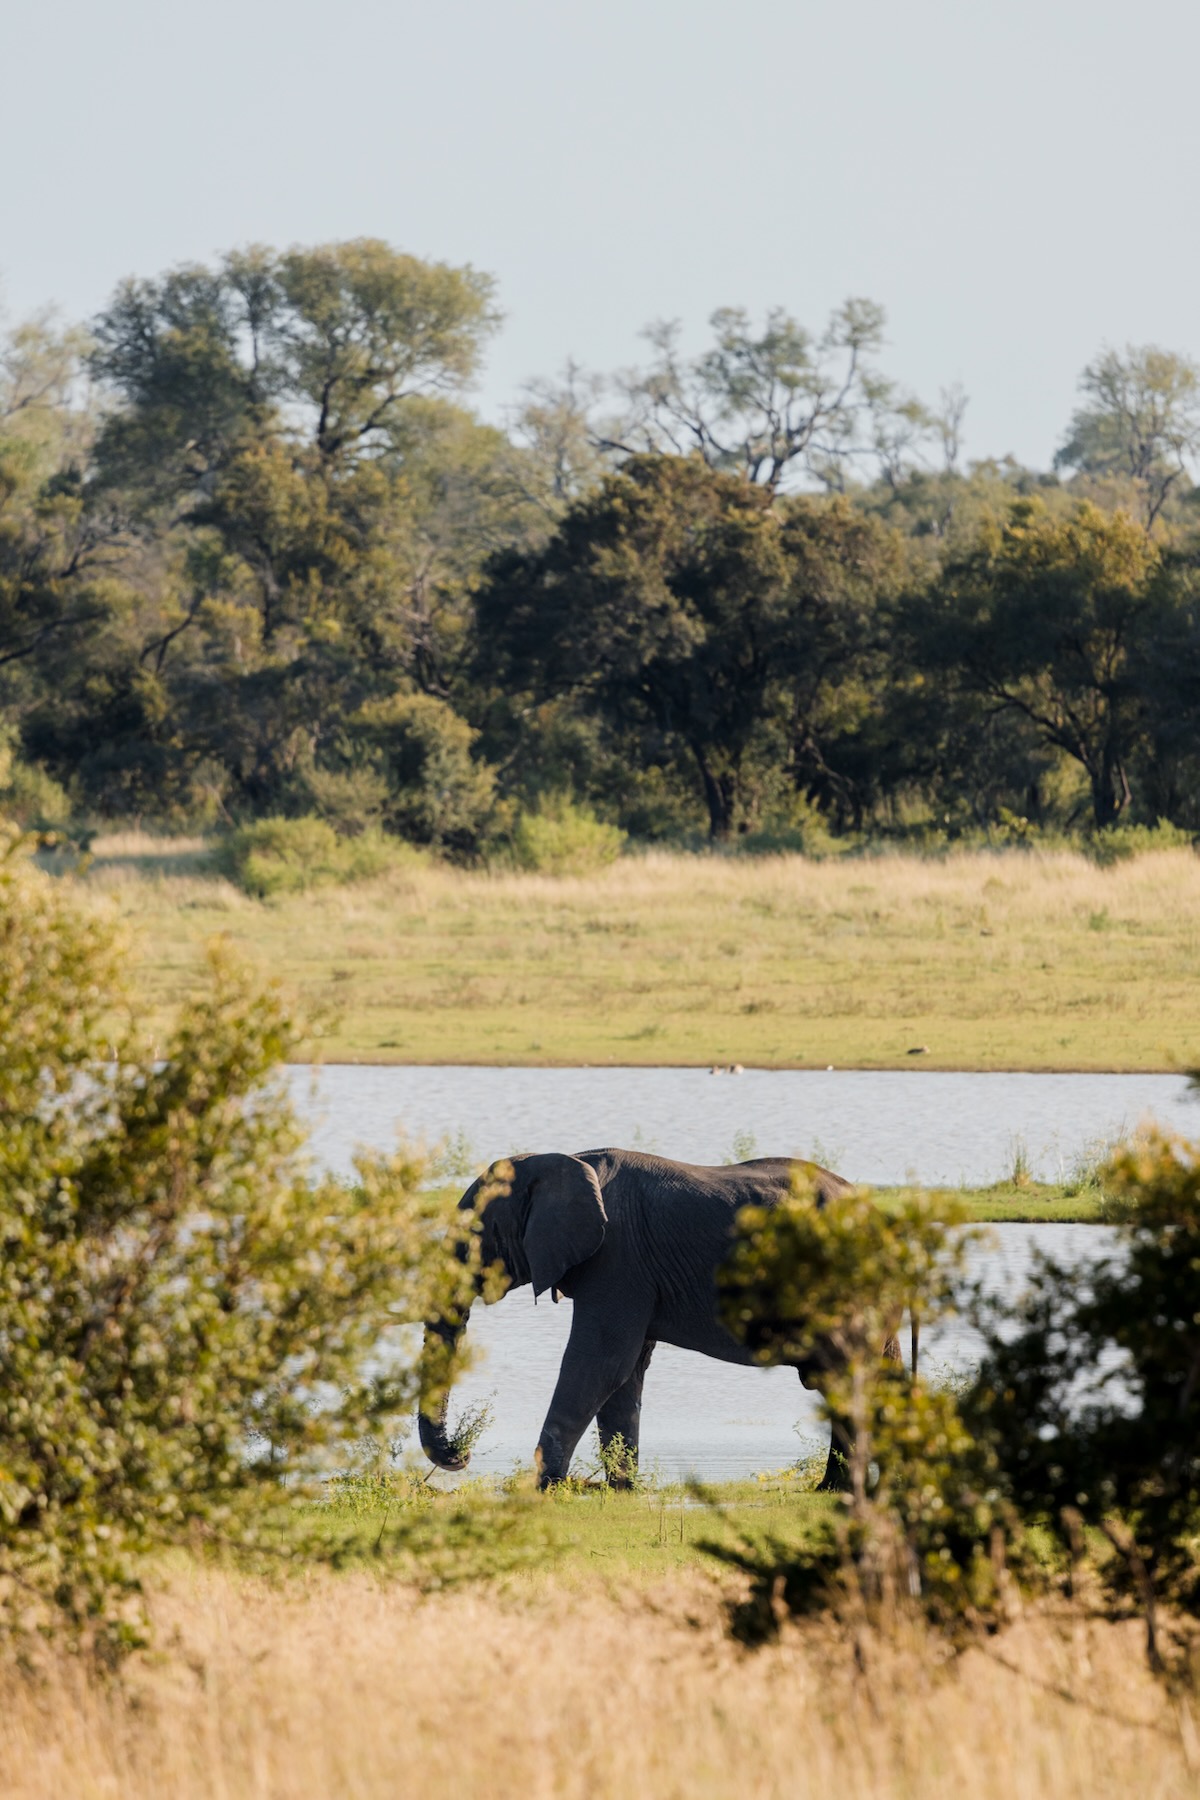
(273, 857)
(352, 800)
(1091, 1389)
(188, 1320)
(561, 838)
(826, 1285)
(1121, 842)
(28, 796)
(797, 828)
(437, 792)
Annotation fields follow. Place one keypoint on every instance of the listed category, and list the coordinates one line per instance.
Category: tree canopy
(260, 557)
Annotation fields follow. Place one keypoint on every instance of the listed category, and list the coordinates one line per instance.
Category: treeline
(259, 558)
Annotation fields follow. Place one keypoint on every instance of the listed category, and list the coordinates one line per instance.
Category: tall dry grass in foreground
(1016, 959)
(348, 1686)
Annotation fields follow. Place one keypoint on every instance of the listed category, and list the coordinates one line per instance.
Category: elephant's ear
(566, 1221)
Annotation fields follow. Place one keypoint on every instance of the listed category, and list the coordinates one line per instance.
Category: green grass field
(484, 1529)
(1006, 960)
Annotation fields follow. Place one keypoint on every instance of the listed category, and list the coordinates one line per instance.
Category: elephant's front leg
(600, 1359)
(619, 1423)
(836, 1479)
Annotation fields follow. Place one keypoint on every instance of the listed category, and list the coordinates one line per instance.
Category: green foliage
(438, 793)
(560, 837)
(1041, 618)
(28, 796)
(258, 558)
(1142, 422)
(1090, 1394)
(824, 1285)
(1122, 842)
(188, 1320)
(677, 602)
(289, 856)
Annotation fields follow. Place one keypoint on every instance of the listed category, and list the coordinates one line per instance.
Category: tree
(553, 425)
(56, 552)
(188, 1320)
(772, 403)
(1143, 422)
(1044, 617)
(306, 509)
(661, 594)
(844, 570)
(1168, 681)
(825, 1285)
(677, 597)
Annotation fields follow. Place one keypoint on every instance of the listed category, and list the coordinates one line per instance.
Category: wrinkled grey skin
(635, 1242)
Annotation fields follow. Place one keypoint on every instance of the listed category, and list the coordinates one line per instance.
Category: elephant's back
(668, 1187)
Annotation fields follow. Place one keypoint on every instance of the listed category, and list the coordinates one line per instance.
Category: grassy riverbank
(1013, 960)
(1025, 1202)
(600, 1663)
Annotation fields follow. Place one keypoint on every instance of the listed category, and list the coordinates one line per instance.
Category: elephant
(635, 1241)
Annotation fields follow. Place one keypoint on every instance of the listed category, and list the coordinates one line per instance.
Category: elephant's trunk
(441, 1341)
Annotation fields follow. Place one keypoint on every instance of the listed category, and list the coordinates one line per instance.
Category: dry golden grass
(992, 960)
(352, 1686)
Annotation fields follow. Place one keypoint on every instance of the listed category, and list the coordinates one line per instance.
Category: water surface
(875, 1126)
(701, 1417)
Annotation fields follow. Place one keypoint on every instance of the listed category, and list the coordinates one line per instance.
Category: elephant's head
(536, 1218)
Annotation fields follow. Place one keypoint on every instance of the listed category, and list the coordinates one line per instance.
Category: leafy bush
(28, 796)
(561, 838)
(288, 856)
(1121, 842)
(438, 793)
(352, 800)
(825, 1285)
(187, 1318)
(1092, 1402)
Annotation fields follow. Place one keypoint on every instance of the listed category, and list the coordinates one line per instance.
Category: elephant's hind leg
(619, 1423)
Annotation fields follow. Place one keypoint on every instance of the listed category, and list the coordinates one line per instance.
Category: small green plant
(466, 1431)
(619, 1465)
(559, 837)
(743, 1147)
(1020, 1170)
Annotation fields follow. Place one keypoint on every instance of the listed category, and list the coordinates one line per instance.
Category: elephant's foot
(550, 1466)
(836, 1479)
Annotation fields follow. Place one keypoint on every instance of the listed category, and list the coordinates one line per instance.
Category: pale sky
(1014, 180)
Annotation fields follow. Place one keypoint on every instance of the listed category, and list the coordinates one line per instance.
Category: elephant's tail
(914, 1336)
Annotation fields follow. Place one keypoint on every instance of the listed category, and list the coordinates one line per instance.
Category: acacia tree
(774, 402)
(1045, 617)
(1141, 420)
